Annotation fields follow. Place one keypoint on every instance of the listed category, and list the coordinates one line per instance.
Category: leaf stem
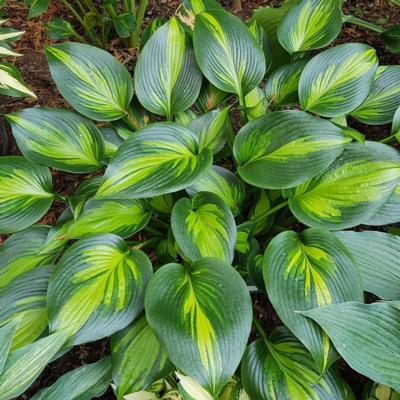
(146, 243)
(134, 39)
(242, 104)
(260, 329)
(271, 211)
(388, 139)
(351, 19)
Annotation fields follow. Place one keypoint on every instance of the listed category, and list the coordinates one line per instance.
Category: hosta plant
(224, 168)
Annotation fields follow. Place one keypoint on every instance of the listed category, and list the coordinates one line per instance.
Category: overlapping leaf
(167, 79)
(308, 271)
(206, 308)
(210, 97)
(7, 333)
(161, 158)
(112, 141)
(58, 138)
(25, 193)
(283, 149)
(204, 227)
(338, 80)
(97, 288)
(351, 190)
(91, 80)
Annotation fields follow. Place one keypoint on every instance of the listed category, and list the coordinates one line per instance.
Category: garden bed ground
(34, 69)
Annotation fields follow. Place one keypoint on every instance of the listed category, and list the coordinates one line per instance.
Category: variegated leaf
(223, 183)
(338, 80)
(167, 79)
(255, 103)
(204, 227)
(311, 24)
(112, 141)
(23, 301)
(285, 148)
(97, 288)
(305, 272)
(91, 80)
(280, 367)
(210, 97)
(11, 82)
(366, 336)
(383, 99)
(58, 138)
(25, 193)
(159, 159)
(138, 359)
(262, 223)
(206, 308)
(185, 117)
(198, 6)
(351, 190)
(7, 333)
(227, 53)
(120, 217)
(396, 124)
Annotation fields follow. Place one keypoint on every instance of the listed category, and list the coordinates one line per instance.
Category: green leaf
(24, 365)
(7, 333)
(25, 193)
(366, 336)
(204, 227)
(124, 24)
(396, 124)
(86, 382)
(24, 251)
(167, 79)
(377, 391)
(210, 97)
(222, 183)
(97, 288)
(281, 87)
(377, 255)
(11, 82)
(306, 271)
(159, 159)
(38, 7)
(383, 99)
(59, 29)
(206, 308)
(351, 190)
(92, 81)
(227, 53)
(112, 141)
(150, 29)
(260, 35)
(391, 38)
(198, 6)
(23, 301)
(272, 155)
(282, 368)
(120, 217)
(338, 80)
(255, 103)
(212, 129)
(137, 357)
(185, 117)
(262, 222)
(311, 24)
(58, 138)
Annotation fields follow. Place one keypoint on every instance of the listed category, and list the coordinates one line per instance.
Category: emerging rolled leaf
(284, 149)
(138, 359)
(377, 255)
(206, 308)
(97, 288)
(282, 368)
(204, 227)
(58, 138)
(305, 272)
(161, 158)
(86, 382)
(167, 79)
(383, 99)
(91, 80)
(227, 53)
(351, 190)
(223, 183)
(338, 80)
(366, 336)
(25, 193)
(310, 24)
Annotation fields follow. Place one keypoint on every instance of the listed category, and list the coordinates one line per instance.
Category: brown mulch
(34, 69)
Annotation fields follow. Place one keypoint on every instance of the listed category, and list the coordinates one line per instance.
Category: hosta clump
(183, 213)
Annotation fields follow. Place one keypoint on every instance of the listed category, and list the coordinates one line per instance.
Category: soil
(33, 66)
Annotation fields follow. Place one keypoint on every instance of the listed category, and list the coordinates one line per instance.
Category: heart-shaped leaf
(91, 80)
(204, 227)
(366, 336)
(351, 190)
(25, 193)
(161, 158)
(227, 53)
(306, 271)
(167, 78)
(58, 138)
(284, 149)
(338, 80)
(206, 308)
(97, 288)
